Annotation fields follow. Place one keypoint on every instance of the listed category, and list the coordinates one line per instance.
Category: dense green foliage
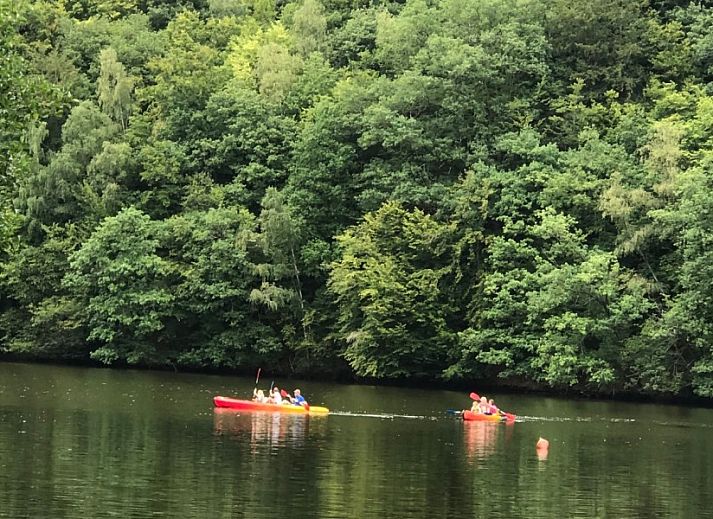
(431, 189)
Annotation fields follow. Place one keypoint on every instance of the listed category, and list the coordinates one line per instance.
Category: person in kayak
(492, 408)
(484, 407)
(259, 396)
(298, 399)
(276, 396)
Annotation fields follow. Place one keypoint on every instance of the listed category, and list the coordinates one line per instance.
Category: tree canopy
(517, 191)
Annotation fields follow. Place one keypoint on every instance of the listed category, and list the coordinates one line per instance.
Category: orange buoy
(542, 448)
(542, 444)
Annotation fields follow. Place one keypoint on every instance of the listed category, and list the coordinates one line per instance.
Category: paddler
(298, 399)
(259, 396)
(492, 407)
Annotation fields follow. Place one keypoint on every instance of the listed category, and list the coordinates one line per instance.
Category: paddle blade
(305, 405)
(284, 393)
(475, 396)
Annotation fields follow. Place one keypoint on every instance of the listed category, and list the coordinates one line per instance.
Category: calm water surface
(78, 442)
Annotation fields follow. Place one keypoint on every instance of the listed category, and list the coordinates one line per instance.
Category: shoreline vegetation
(517, 192)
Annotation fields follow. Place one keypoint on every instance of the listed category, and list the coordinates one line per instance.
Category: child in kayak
(479, 406)
(492, 408)
(259, 396)
(298, 399)
(483, 405)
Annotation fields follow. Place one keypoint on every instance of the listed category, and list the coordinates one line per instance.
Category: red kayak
(249, 405)
(470, 416)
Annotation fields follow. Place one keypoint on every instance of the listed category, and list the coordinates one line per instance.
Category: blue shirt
(298, 400)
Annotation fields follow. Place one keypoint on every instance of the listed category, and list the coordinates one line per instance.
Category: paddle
(285, 394)
(508, 416)
(257, 378)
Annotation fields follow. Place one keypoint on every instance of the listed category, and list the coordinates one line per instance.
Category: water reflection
(483, 439)
(272, 429)
(100, 443)
(480, 438)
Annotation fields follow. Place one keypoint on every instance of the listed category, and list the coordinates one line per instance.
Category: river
(86, 443)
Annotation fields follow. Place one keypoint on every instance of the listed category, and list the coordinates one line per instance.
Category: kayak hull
(249, 405)
(470, 416)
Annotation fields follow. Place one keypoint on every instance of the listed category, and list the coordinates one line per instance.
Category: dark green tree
(124, 291)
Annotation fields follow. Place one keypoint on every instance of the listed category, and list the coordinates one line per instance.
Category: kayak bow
(249, 405)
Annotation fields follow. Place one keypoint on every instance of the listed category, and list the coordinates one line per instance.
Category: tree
(111, 9)
(27, 98)
(393, 312)
(213, 254)
(114, 88)
(276, 71)
(247, 142)
(280, 238)
(637, 210)
(550, 309)
(688, 320)
(398, 38)
(309, 25)
(134, 40)
(39, 319)
(124, 289)
(603, 42)
(53, 193)
(162, 164)
(354, 43)
(185, 76)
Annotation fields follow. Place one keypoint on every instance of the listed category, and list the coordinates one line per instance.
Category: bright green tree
(114, 88)
(387, 283)
(309, 25)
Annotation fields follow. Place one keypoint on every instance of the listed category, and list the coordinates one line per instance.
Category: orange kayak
(470, 416)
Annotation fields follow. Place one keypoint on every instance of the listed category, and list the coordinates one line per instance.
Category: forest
(513, 191)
